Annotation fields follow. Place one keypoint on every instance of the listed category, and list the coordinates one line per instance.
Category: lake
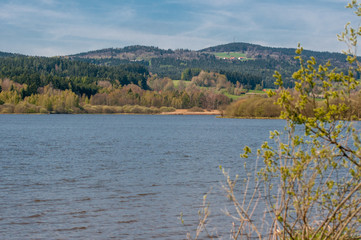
(117, 176)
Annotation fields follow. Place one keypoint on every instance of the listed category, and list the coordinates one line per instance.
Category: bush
(24, 107)
(167, 109)
(311, 179)
(7, 108)
(254, 107)
(195, 109)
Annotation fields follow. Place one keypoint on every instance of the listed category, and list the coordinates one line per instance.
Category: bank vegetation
(308, 185)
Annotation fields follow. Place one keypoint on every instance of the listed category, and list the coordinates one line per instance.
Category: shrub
(253, 107)
(195, 109)
(312, 171)
(167, 109)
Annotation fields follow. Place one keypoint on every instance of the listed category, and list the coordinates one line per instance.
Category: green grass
(231, 54)
(166, 66)
(222, 91)
(257, 91)
(231, 96)
(176, 82)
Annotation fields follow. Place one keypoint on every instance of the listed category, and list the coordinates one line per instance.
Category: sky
(63, 27)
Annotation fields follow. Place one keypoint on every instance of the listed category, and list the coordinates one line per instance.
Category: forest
(58, 85)
(172, 63)
(148, 78)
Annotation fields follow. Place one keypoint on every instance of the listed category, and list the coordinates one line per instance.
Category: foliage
(317, 172)
(195, 109)
(24, 77)
(211, 79)
(80, 77)
(133, 109)
(247, 73)
(184, 64)
(51, 100)
(159, 84)
(312, 171)
(5, 54)
(253, 107)
(189, 73)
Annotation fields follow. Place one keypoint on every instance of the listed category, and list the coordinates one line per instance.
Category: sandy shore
(186, 112)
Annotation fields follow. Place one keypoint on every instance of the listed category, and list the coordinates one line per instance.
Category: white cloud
(210, 3)
(26, 12)
(66, 27)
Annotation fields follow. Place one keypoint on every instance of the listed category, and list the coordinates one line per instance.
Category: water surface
(116, 176)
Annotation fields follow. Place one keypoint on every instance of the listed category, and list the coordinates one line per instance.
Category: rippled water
(115, 176)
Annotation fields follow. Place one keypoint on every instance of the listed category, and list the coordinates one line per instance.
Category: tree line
(79, 77)
(23, 79)
(50, 100)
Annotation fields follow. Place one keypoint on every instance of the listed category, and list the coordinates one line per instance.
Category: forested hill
(145, 53)
(258, 51)
(6, 54)
(236, 60)
(248, 64)
(137, 53)
(79, 77)
(143, 76)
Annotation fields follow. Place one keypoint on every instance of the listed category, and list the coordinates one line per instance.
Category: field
(176, 82)
(223, 91)
(258, 91)
(231, 54)
(233, 97)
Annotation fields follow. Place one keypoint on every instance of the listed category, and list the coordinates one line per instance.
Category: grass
(166, 66)
(231, 96)
(222, 91)
(176, 82)
(231, 54)
(257, 91)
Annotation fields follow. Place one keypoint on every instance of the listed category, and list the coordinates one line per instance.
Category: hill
(6, 54)
(108, 80)
(80, 77)
(262, 52)
(252, 51)
(250, 61)
(136, 53)
(60, 85)
(248, 64)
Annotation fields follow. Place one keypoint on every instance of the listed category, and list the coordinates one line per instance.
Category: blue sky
(60, 27)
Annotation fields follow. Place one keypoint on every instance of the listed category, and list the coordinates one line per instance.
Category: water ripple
(115, 176)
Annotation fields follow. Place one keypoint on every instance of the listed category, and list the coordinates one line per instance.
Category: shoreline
(176, 112)
(187, 112)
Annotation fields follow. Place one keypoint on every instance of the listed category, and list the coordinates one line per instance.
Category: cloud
(23, 13)
(281, 23)
(65, 27)
(99, 35)
(210, 3)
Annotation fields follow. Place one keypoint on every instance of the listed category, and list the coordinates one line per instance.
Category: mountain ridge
(251, 61)
(141, 52)
(8, 54)
(242, 58)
